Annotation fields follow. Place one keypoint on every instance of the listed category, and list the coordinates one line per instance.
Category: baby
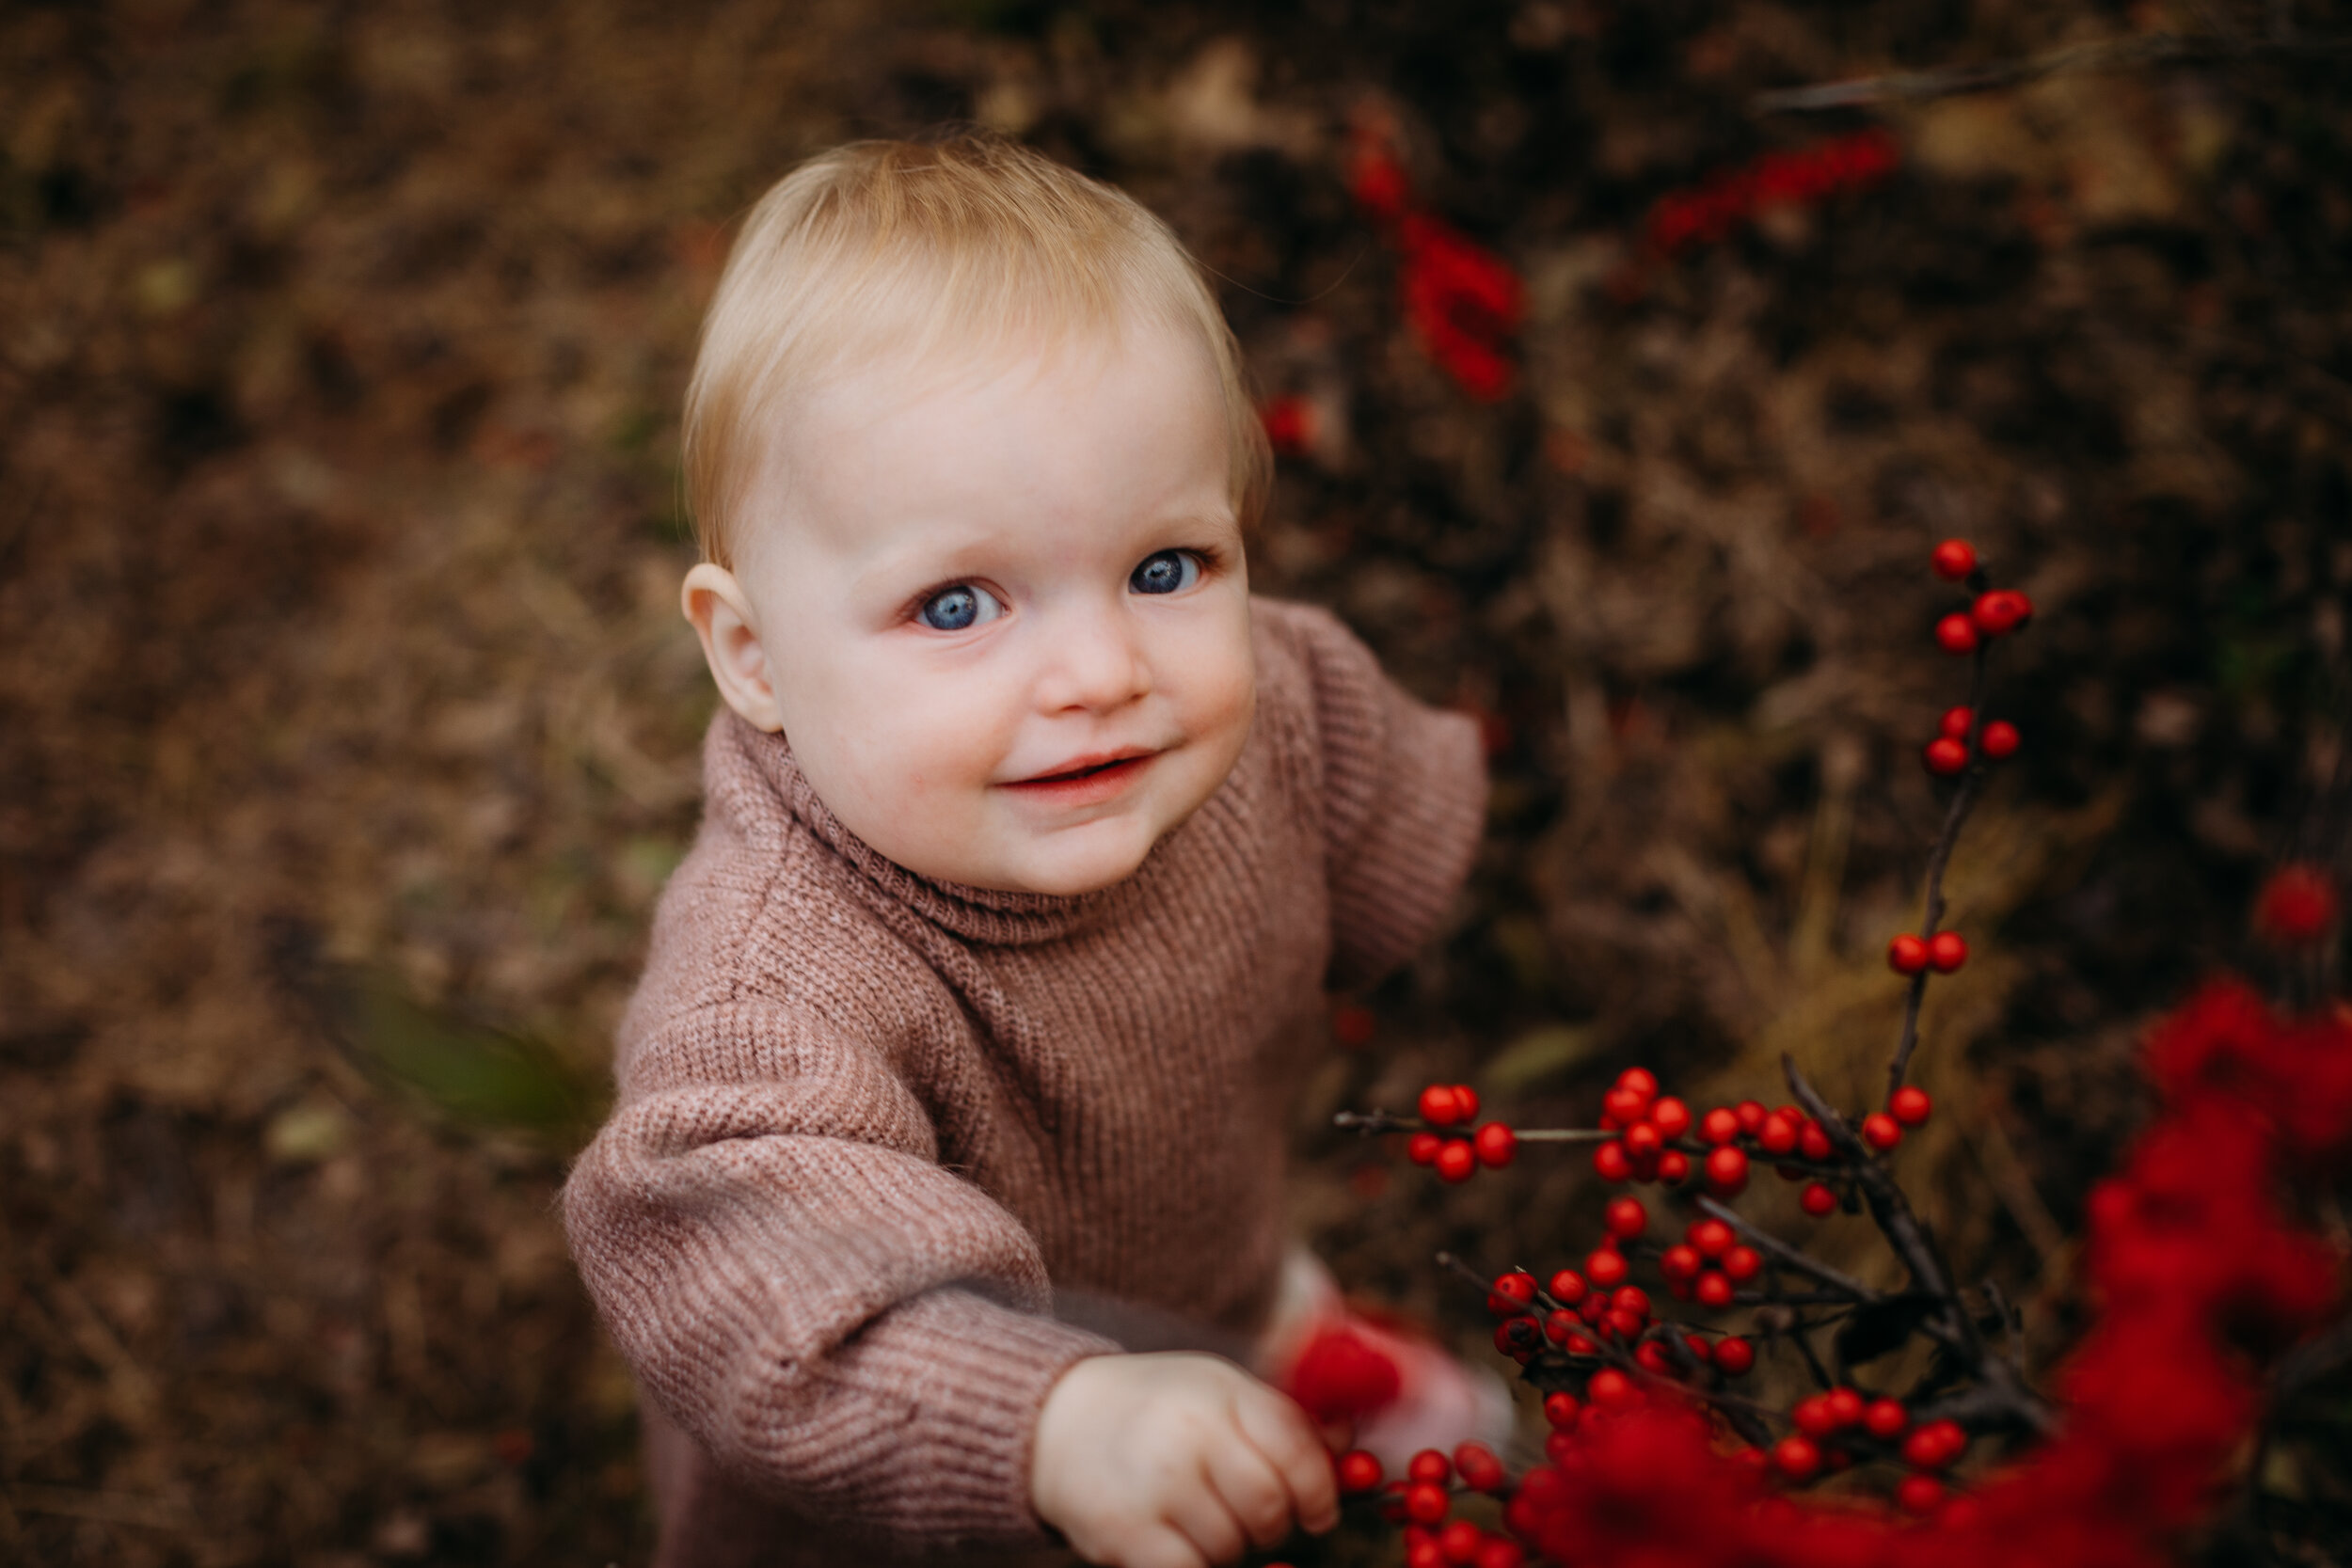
(953, 1103)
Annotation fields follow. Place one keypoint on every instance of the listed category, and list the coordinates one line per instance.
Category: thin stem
(1850, 1289)
(1914, 86)
(1955, 816)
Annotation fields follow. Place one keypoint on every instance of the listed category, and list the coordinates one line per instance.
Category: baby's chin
(1084, 864)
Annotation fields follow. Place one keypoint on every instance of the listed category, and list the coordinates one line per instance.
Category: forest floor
(348, 728)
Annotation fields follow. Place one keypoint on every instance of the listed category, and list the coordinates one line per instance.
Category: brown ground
(346, 727)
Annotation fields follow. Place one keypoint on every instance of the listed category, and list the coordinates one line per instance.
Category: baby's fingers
(1279, 1430)
(1257, 1494)
(1207, 1518)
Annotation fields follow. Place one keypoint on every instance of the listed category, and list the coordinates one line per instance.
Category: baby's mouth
(1087, 768)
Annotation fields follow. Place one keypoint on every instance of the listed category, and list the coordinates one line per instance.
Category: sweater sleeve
(834, 1317)
(1404, 799)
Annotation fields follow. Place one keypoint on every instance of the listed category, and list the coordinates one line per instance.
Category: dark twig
(1847, 1287)
(2003, 1389)
(1955, 817)
(2149, 49)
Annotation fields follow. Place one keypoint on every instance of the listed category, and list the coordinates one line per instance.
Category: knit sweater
(872, 1126)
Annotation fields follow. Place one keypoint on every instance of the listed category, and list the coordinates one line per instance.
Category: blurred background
(348, 727)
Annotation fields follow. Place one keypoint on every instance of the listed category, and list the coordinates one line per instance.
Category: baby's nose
(1095, 660)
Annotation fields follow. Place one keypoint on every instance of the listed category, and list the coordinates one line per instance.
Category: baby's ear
(714, 600)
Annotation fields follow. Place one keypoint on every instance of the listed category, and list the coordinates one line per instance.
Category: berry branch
(1651, 1443)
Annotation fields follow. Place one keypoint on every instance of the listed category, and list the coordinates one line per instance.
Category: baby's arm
(1403, 794)
(834, 1317)
(1175, 1461)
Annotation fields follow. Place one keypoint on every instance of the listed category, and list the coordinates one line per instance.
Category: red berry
(1501, 1552)
(1631, 1298)
(2000, 611)
(1560, 1324)
(1558, 1449)
(1642, 1141)
(1945, 757)
(1421, 1147)
(2298, 905)
(1814, 1144)
(1519, 1335)
(1562, 1410)
(1948, 951)
(1425, 1503)
(1798, 1458)
(1671, 1117)
(1359, 1471)
(1906, 955)
(1999, 739)
(1625, 1218)
(1719, 1126)
(1751, 1114)
(1605, 1269)
(1479, 1470)
(1934, 1446)
(1641, 1080)
(1577, 1344)
(1885, 1418)
(1439, 1107)
(1457, 1160)
(1954, 725)
(1496, 1144)
(1953, 560)
(1566, 1287)
(1712, 1237)
(1778, 1134)
(1712, 1289)
(1430, 1466)
(1423, 1554)
(1844, 1405)
(1818, 1200)
(1741, 1264)
(1814, 1418)
(1672, 1165)
(1679, 1261)
(1920, 1494)
(1459, 1541)
(1910, 1106)
(1613, 1391)
(1611, 1161)
(1625, 1324)
(1879, 1132)
(1956, 634)
(1466, 1098)
(1652, 1358)
(1734, 1355)
(1625, 1106)
(1516, 1290)
(1727, 1170)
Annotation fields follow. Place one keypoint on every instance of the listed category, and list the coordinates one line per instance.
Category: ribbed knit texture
(869, 1123)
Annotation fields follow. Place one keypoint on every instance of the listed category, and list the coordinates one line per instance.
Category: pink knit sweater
(872, 1127)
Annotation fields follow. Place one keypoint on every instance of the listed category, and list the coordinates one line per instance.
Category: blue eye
(1165, 573)
(958, 608)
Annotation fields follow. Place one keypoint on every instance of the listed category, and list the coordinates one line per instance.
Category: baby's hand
(1175, 1461)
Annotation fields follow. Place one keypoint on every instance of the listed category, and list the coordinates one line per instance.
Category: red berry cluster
(1652, 1144)
(1462, 301)
(1996, 612)
(1457, 1157)
(1422, 1501)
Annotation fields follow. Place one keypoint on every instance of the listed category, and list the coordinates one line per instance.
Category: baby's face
(1004, 616)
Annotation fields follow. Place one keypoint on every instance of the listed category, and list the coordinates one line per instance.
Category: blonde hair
(970, 241)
